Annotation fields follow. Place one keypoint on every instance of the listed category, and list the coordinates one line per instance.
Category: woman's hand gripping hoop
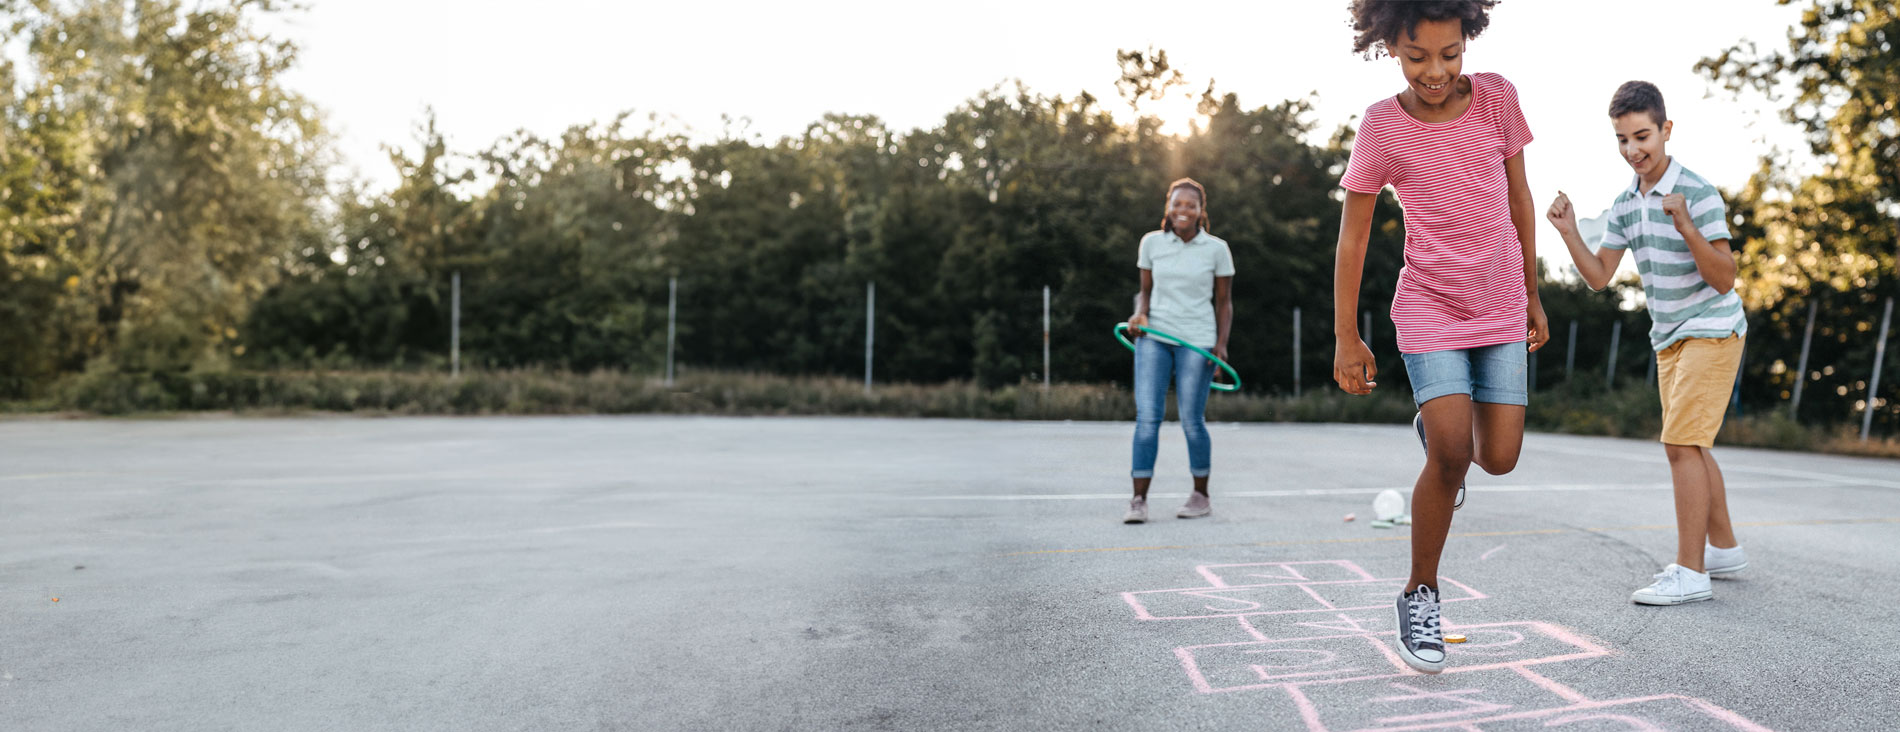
(1121, 330)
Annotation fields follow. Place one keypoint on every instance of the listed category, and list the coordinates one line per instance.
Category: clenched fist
(1562, 215)
(1677, 207)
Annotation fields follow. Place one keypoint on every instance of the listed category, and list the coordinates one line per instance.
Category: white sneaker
(1196, 506)
(1724, 561)
(1137, 511)
(1674, 585)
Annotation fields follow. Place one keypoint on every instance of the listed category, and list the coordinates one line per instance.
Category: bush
(1584, 408)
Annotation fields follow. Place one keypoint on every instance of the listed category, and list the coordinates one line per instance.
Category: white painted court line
(1523, 488)
(44, 476)
(1809, 474)
(1658, 459)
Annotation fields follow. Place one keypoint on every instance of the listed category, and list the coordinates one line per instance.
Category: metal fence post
(1616, 338)
(1801, 370)
(455, 324)
(1296, 353)
(672, 307)
(1570, 352)
(1045, 337)
(1873, 385)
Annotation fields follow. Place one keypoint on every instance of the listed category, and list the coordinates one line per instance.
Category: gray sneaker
(1137, 511)
(1418, 425)
(1195, 507)
(1724, 561)
(1421, 641)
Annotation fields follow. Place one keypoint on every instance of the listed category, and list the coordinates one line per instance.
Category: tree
(170, 174)
(1830, 235)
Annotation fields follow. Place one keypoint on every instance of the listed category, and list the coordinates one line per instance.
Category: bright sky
(489, 67)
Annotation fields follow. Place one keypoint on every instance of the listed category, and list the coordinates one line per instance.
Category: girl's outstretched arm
(1353, 367)
(1524, 218)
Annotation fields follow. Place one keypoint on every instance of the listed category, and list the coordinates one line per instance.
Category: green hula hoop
(1122, 328)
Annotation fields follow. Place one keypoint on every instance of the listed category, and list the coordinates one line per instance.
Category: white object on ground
(1388, 504)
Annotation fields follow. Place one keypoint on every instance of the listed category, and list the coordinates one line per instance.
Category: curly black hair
(1379, 22)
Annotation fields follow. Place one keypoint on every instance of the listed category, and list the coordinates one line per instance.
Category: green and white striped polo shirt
(1681, 304)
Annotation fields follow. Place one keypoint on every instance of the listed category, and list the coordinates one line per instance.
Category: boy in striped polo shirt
(1675, 224)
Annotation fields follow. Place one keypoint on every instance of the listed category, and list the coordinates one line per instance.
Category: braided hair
(1167, 222)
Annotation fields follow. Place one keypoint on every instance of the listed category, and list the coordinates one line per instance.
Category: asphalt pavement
(641, 573)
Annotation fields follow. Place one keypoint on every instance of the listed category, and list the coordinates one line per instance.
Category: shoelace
(1423, 607)
(1665, 582)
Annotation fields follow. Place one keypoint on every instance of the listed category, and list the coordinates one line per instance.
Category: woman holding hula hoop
(1186, 280)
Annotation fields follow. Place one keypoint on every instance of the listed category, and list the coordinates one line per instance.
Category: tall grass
(1577, 408)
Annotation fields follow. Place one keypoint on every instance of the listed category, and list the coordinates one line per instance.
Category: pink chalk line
(1737, 721)
(1207, 570)
(1585, 649)
(1141, 610)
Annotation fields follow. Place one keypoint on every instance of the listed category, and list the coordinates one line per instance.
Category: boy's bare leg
(1690, 474)
(1141, 487)
(1447, 457)
(1721, 532)
(1200, 485)
(1497, 434)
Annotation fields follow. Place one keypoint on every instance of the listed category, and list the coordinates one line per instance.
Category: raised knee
(1498, 463)
(1501, 467)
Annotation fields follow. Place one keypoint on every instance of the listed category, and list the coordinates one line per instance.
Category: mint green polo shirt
(1681, 304)
(1182, 301)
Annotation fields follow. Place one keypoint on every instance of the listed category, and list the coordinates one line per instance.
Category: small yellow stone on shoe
(1454, 638)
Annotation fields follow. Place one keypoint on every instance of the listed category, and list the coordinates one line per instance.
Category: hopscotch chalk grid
(1321, 633)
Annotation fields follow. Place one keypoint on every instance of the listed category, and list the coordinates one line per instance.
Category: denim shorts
(1490, 374)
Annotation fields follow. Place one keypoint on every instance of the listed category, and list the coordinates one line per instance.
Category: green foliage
(164, 215)
(1579, 408)
(155, 174)
(1830, 237)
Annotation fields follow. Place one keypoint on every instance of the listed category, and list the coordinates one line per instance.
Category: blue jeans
(1489, 374)
(1155, 363)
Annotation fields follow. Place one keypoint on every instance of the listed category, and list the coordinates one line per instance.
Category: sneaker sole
(1659, 600)
(1418, 664)
(1134, 521)
(1187, 515)
(1728, 570)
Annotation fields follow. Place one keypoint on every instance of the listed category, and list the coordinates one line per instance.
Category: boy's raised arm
(1596, 268)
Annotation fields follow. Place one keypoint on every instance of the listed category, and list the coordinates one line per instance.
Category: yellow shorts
(1694, 377)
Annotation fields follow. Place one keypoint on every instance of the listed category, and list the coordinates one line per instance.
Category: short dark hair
(1638, 96)
(1381, 21)
(1167, 222)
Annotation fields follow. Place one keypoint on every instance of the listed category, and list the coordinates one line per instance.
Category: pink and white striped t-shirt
(1463, 281)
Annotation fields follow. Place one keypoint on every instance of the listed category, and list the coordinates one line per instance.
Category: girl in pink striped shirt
(1451, 146)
